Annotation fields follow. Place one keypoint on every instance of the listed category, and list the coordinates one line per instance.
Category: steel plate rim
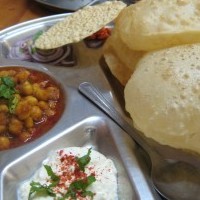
(31, 22)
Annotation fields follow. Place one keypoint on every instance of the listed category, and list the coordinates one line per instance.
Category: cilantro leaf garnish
(84, 160)
(12, 104)
(7, 91)
(33, 50)
(6, 87)
(88, 193)
(54, 178)
(38, 188)
(80, 187)
(34, 38)
(37, 35)
(44, 189)
(6, 80)
(82, 184)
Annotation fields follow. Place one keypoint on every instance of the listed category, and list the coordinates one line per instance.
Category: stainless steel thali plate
(81, 124)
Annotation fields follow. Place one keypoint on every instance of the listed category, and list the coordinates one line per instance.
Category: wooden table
(16, 11)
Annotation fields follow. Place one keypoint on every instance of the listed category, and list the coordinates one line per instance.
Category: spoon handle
(93, 94)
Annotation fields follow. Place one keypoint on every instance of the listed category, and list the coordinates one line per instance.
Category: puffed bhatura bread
(120, 59)
(80, 25)
(163, 96)
(117, 68)
(156, 24)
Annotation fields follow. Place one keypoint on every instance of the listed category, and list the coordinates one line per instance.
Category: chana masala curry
(31, 102)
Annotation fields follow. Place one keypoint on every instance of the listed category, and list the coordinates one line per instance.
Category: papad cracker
(155, 24)
(80, 25)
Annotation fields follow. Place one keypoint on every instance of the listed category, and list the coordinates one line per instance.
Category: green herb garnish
(44, 189)
(34, 38)
(84, 160)
(7, 91)
(37, 35)
(54, 178)
(33, 50)
(80, 186)
(12, 104)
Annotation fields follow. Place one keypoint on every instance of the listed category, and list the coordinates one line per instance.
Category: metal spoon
(175, 173)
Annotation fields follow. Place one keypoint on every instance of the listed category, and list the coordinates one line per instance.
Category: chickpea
(23, 110)
(43, 105)
(22, 76)
(44, 94)
(31, 100)
(3, 108)
(25, 136)
(2, 128)
(18, 96)
(29, 122)
(36, 86)
(3, 118)
(4, 143)
(36, 113)
(26, 88)
(15, 126)
(40, 94)
(37, 91)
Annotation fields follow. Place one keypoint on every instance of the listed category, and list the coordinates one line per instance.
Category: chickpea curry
(31, 102)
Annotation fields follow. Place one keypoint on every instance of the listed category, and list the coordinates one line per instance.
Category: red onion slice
(17, 53)
(37, 56)
(25, 50)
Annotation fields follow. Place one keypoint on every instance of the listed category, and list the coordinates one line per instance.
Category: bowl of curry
(31, 103)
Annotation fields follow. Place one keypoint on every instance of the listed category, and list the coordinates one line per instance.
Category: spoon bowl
(175, 173)
(175, 179)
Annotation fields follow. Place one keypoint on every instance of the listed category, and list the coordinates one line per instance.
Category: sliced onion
(17, 53)
(37, 56)
(66, 59)
(25, 50)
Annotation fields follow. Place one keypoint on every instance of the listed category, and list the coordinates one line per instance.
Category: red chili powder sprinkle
(69, 171)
